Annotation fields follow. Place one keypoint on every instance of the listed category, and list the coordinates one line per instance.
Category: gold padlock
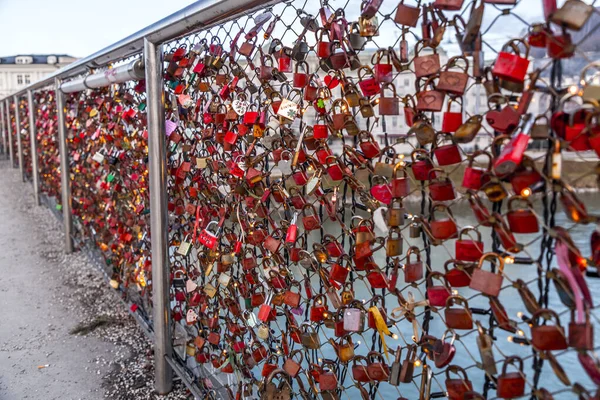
(395, 213)
(393, 245)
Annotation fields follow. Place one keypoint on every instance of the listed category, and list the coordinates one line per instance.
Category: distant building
(23, 69)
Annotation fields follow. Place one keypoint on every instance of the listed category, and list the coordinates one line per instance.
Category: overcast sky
(80, 28)
(75, 27)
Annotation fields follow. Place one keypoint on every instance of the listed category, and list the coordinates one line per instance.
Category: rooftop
(35, 58)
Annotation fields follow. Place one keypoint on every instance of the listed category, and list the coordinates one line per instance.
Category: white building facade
(21, 70)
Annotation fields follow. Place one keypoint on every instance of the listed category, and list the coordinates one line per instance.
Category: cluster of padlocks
(343, 221)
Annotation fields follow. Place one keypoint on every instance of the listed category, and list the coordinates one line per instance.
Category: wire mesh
(107, 141)
(25, 134)
(232, 177)
(47, 145)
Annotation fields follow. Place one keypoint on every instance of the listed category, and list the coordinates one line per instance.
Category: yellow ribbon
(381, 328)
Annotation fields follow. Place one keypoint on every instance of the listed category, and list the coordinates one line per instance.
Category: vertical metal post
(35, 173)
(18, 133)
(65, 172)
(3, 128)
(8, 130)
(157, 166)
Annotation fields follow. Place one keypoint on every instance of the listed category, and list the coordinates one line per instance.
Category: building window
(395, 122)
(406, 82)
(19, 79)
(27, 79)
(24, 60)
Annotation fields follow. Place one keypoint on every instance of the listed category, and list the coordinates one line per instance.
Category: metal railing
(119, 209)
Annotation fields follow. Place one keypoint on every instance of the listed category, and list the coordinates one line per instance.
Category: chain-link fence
(47, 146)
(364, 200)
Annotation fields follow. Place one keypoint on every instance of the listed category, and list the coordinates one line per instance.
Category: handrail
(201, 14)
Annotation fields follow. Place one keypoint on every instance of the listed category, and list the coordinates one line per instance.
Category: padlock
(354, 318)
(512, 153)
(368, 145)
(460, 275)
(428, 65)
(547, 337)
(452, 120)
(453, 82)
(442, 229)
(389, 105)
(506, 120)
(395, 213)
(407, 15)
(400, 184)
(440, 186)
(581, 331)
(437, 294)
(468, 130)
(359, 371)
(328, 378)
(456, 388)
(573, 14)
(319, 308)
(393, 244)
(486, 351)
(488, 283)
(511, 384)
(493, 187)
(429, 98)
(468, 249)
(522, 220)
(474, 178)
(422, 165)
(367, 82)
(377, 369)
(413, 270)
(209, 239)
(512, 67)
(458, 317)
(309, 336)
(443, 351)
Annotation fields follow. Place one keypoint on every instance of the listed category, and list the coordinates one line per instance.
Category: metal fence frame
(149, 42)
(201, 15)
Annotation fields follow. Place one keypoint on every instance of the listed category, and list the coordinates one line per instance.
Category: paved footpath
(39, 359)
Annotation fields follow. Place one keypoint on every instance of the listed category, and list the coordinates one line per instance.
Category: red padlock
(441, 187)
(422, 165)
(457, 388)
(447, 154)
(521, 220)
(509, 66)
(438, 294)
(468, 249)
(442, 229)
(474, 178)
(511, 384)
(488, 283)
(400, 184)
(413, 270)
(460, 275)
(452, 120)
(549, 336)
(512, 153)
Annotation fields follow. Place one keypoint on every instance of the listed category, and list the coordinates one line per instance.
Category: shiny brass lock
(347, 294)
(393, 244)
(263, 332)
(366, 109)
(368, 26)
(395, 213)
(351, 95)
(494, 190)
